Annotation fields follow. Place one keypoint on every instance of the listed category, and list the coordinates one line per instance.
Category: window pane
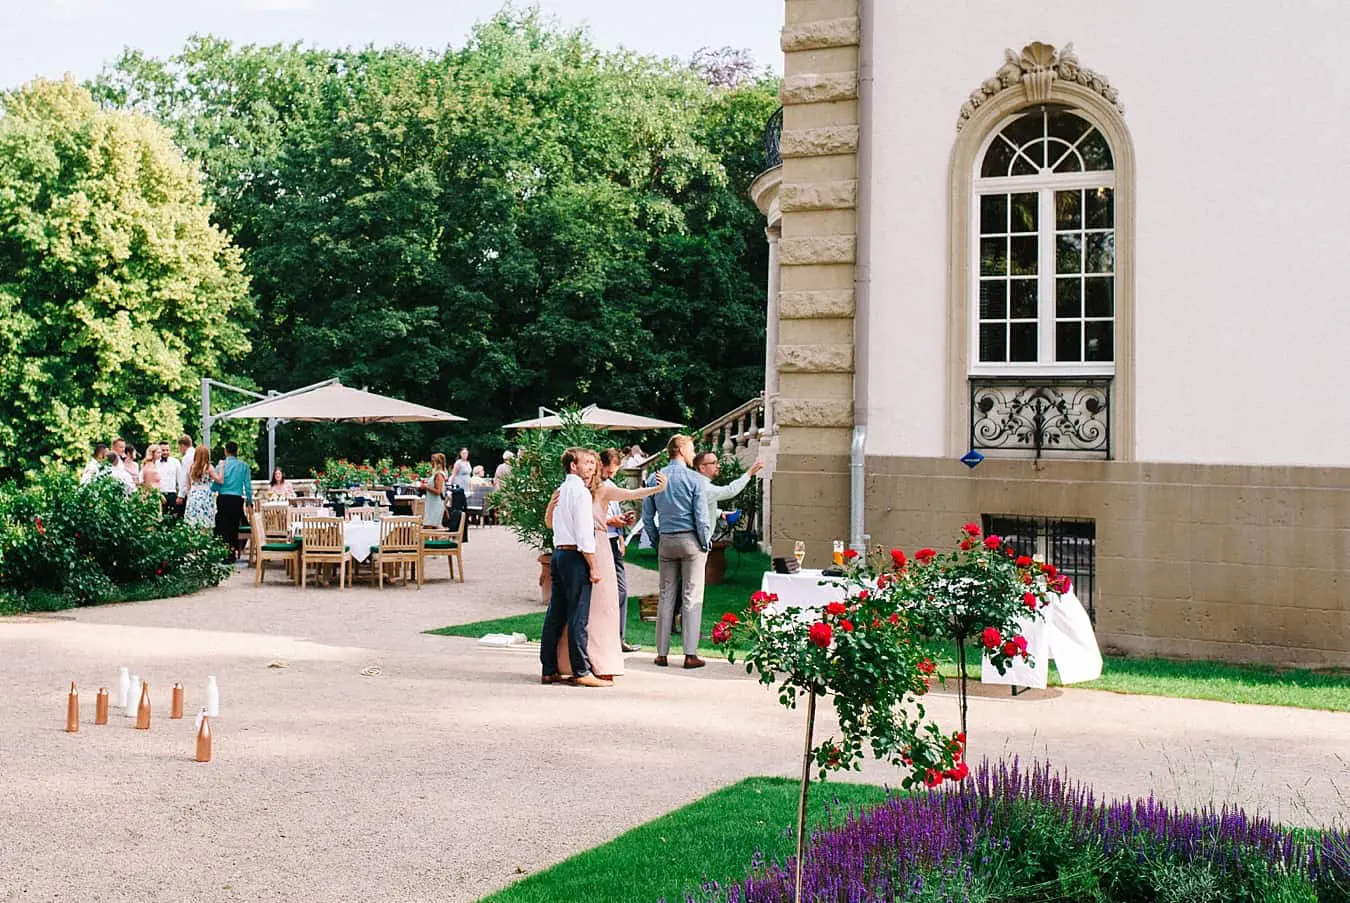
(993, 343)
(993, 299)
(993, 214)
(1069, 253)
(1024, 167)
(1096, 153)
(1025, 129)
(993, 257)
(1067, 300)
(1023, 342)
(1068, 341)
(1024, 209)
(1068, 210)
(1098, 296)
(1024, 253)
(1098, 335)
(1060, 123)
(1070, 163)
(1101, 252)
(1101, 212)
(997, 159)
(1024, 299)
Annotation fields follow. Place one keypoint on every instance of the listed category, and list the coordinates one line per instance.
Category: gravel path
(452, 772)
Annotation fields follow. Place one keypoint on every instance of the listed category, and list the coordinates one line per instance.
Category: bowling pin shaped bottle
(143, 709)
(101, 706)
(176, 703)
(123, 687)
(133, 696)
(212, 697)
(203, 737)
(73, 710)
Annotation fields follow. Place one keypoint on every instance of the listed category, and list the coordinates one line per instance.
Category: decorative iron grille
(1046, 416)
(1069, 544)
(773, 135)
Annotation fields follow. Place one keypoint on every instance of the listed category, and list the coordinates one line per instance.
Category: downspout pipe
(862, 282)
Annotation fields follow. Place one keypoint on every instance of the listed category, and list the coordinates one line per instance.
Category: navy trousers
(569, 604)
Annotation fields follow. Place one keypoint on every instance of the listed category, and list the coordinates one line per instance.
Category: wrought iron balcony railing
(1058, 417)
(773, 135)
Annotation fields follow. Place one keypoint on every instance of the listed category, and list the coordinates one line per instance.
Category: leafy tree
(117, 292)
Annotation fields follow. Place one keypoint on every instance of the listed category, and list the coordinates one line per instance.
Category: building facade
(1097, 244)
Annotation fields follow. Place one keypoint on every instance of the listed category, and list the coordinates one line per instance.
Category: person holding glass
(433, 507)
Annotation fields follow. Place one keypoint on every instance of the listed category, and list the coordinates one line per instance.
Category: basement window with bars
(1068, 544)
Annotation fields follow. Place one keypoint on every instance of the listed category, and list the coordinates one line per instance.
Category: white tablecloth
(801, 589)
(1066, 636)
(358, 535)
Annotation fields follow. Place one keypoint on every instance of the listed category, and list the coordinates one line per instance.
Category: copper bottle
(204, 740)
(143, 709)
(73, 711)
(101, 706)
(176, 705)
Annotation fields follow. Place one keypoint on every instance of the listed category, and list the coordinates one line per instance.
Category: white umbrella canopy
(598, 417)
(333, 401)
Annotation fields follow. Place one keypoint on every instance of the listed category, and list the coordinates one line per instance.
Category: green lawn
(714, 838)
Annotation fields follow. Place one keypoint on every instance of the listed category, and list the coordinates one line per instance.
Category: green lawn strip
(714, 838)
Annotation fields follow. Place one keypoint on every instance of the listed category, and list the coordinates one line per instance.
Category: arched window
(1043, 280)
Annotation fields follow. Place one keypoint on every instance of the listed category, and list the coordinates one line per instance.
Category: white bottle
(133, 696)
(123, 686)
(212, 697)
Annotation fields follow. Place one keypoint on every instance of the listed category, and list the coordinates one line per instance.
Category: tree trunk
(801, 800)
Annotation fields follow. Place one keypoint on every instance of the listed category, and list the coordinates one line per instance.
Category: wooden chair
(276, 522)
(361, 513)
(273, 548)
(400, 544)
(322, 543)
(439, 542)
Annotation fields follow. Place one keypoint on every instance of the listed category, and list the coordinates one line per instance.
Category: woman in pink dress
(604, 646)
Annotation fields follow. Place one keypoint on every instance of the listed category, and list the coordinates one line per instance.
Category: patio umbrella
(332, 401)
(598, 417)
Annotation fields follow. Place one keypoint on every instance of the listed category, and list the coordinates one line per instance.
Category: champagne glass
(799, 551)
(838, 552)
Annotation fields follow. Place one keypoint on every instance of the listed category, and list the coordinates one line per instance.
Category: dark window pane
(1024, 255)
(997, 159)
(993, 299)
(993, 343)
(1101, 252)
(993, 257)
(1070, 162)
(1025, 129)
(993, 214)
(1024, 209)
(1023, 342)
(1024, 167)
(1101, 212)
(1062, 124)
(1097, 335)
(1068, 342)
(1024, 299)
(1068, 303)
(1098, 296)
(1096, 152)
(1068, 210)
(1069, 253)
(1036, 151)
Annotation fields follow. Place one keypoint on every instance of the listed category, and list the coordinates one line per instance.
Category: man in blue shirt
(233, 490)
(682, 541)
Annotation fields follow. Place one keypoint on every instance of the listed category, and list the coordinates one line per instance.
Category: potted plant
(536, 471)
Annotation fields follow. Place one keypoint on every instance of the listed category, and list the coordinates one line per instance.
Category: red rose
(1020, 642)
(730, 618)
(835, 608)
(993, 542)
(847, 625)
(1029, 600)
(1061, 584)
(925, 555)
(991, 637)
(850, 554)
(41, 529)
(894, 619)
(927, 667)
(1049, 569)
(761, 600)
(971, 529)
(1026, 578)
(960, 737)
(959, 773)
(1010, 551)
(1010, 648)
(883, 581)
(821, 634)
(898, 559)
(159, 572)
(721, 632)
(876, 623)
(932, 778)
(967, 545)
(1023, 561)
(863, 595)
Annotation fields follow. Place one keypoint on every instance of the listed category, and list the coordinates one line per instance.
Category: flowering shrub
(1011, 834)
(340, 473)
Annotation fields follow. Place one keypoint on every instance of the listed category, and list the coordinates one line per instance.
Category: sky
(53, 37)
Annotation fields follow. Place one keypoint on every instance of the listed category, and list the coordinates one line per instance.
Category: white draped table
(357, 535)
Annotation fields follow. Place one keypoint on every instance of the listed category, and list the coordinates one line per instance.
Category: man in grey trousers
(681, 548)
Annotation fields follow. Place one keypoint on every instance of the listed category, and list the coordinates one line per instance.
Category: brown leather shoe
(660, 661)
(555, 678)
(693, 661)
(590, 680)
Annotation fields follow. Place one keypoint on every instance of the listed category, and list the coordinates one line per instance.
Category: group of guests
(585, 625)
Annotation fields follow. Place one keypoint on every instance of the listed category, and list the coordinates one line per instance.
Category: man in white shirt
(119, 472)
(95, 464)
(710, 466)
(185, 454)
(573, 574)
(170, 476)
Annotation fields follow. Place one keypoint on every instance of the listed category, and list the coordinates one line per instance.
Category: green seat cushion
(245, 528)
(441, 544)
(281, 547)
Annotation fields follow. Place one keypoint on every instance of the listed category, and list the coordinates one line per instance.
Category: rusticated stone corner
(819, 249)
(814, 412)
(836, 303)
(841, 195)
(843, 32)
(819, 87)
(821, 142)
(815, 358)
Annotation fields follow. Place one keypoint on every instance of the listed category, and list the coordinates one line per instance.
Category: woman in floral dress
(201, 502)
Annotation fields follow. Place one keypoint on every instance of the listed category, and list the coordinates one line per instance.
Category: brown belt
(566, 548)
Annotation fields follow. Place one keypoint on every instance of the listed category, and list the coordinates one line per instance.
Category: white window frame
(1044, 184)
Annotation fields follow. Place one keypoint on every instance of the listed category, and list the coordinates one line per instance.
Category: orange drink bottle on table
(838, 552)
(101, 706)
(73, 710)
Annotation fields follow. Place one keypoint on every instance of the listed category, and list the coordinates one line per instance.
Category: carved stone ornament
(1034, 72)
